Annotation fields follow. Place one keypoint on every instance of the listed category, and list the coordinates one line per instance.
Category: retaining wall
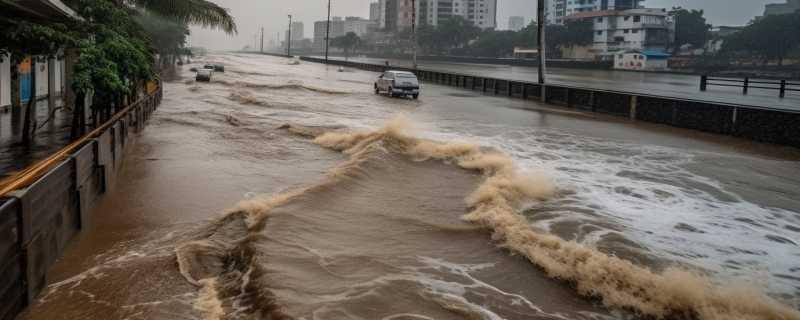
(38, 222)
(750, 122)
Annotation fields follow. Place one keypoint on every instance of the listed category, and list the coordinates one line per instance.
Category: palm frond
(197, 12)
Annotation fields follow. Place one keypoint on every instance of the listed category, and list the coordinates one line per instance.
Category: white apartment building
(557, 10)
(375, 11)
(635, 29)
(357, 25)
(516, 23)
(483, 13)
(320, 30)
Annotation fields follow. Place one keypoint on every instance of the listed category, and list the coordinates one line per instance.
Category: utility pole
(289, 38)
(541, 43)
(262, 39)
(328, 32)
(414, 31)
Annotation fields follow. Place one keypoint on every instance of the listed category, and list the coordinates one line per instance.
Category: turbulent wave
(290, 85)
(494, 205)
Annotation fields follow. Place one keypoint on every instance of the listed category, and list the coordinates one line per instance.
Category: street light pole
(289, 38)
(262, 39)
(328, 32)
(414, 31)
(542, 45)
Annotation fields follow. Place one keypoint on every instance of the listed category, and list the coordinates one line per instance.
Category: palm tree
(199, 12)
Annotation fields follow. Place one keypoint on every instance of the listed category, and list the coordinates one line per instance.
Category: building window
(600, 33)
(627, 31)
(627, 18)
(635, 30)
(600, 20)
(637, 18)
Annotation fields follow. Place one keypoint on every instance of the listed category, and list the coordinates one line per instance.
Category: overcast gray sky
(251, 15)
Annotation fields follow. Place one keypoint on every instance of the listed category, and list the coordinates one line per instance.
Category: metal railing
(782, 86)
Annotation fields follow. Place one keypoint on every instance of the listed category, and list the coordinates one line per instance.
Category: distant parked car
(215, 67)
(203, 75)
(398, 84)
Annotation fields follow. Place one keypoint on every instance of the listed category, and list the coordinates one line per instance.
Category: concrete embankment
(49, 203)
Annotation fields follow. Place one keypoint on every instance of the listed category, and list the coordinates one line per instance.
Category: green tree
(492, 43)
(572, 33)
(347, 42)
(690, 27)
(769, 38)
(199, 12)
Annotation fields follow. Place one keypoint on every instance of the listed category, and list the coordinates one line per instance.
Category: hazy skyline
(251, 15)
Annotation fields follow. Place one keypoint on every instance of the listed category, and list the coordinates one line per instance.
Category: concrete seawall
(38, 221)
(755, 123)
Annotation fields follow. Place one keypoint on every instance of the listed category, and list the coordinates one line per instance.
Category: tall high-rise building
(375, 11)
(516, 23)
(397, 14)
(483, 13)
(297, 31)
(557, 10)
(320, 30)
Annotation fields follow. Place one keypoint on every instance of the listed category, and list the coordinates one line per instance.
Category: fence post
(703, 82)
(746, 84)
(524, 91)
(783, 89)
(496, 87)
(634, 100)
(483, 83)
(510, 88)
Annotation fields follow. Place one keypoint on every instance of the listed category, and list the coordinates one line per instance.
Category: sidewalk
(50, 136)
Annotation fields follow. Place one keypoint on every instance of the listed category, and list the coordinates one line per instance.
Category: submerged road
(658, 84)
(236, 204)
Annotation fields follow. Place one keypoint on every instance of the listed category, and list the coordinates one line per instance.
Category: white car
(203, 75)
(398, 84)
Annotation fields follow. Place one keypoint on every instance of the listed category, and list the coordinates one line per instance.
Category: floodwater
(282, 191)
(675, 85)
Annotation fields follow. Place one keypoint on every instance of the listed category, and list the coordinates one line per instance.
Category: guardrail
(44, 206)
(782, 86)
(750, 122)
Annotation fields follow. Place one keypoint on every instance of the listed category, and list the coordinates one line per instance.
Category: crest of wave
(618, 283)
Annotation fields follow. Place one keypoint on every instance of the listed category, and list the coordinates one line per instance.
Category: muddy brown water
(231, 205)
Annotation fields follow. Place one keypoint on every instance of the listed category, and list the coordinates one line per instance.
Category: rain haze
(272, 15)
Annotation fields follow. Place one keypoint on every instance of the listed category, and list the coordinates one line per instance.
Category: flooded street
(281, 191)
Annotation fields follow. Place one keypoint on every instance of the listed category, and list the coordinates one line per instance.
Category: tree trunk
(78, 114)
(16, 99)
(27, 125)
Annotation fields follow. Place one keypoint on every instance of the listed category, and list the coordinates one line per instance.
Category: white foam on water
(648, 191)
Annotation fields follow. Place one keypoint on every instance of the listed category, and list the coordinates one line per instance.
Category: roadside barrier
(778, 126)
(44, 206)
(782, 86)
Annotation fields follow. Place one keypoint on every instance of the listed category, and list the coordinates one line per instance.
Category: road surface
(292, 191)
(659, 84)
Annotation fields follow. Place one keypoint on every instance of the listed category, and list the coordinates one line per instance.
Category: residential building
(718, 35)
(483, 13)
(641, 60)
(357, 25)
(634, 29)
(320, 30)
(297, 31)
(397, 14)
(557, 10)
(791, 6)
(516, 23)
(5, 80)
(375, 11)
